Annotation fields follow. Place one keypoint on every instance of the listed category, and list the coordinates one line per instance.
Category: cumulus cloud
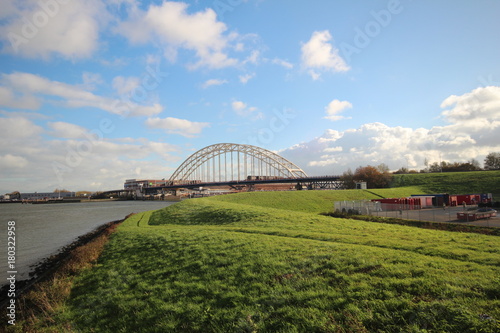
(69, 159)
(10, 99)
(175, 28)
(15, 127)
(40, 29)
(318, 54)
(243, 110)
(12, 161)
(65, 130)
(473, 132)
(177, 126)
(480, 104)
(335, 107)
(35, 90)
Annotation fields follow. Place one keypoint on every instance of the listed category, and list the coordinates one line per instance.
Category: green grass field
(453, 182)
(268, 262)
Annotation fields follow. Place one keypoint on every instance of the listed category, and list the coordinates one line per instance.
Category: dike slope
(269, 263)
(239, 264)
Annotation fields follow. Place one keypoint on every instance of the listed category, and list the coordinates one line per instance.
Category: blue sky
(94, 92)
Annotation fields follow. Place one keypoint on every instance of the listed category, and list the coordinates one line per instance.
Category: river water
(42, 230)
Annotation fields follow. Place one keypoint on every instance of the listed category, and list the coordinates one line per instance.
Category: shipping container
(399, 203)
(486, 197)
(437, 199)
(468, 199)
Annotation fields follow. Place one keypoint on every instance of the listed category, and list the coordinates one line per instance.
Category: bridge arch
(230, 161)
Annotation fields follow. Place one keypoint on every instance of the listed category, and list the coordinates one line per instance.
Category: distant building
(46, 195)
(360, 185)
(137, 184)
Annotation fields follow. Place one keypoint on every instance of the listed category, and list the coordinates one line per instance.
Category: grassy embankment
(39, 309)
(267, 262)
(453, 182)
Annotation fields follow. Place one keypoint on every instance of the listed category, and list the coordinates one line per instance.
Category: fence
(402, 211)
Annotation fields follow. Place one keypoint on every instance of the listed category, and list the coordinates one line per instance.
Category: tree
(401, 171)
(444, 166)
(436, 167)
(475, 164)
(373, 177)
(383, 168)
(492, 161)
(348, 179)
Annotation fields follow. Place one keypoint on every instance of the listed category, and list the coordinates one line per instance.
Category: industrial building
(46, 195)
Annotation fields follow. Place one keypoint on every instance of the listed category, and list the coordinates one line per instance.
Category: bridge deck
(304, 181)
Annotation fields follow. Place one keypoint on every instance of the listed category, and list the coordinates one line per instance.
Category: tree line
(380, 176)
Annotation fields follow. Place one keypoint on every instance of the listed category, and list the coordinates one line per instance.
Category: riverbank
(50, 282)
(45, 268)
(43, 230)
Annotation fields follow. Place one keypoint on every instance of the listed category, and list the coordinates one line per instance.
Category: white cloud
(238, 106)
(335, 107)
(12, 161)
(16, 127)
(315, 75)
(8, 8)
(125, 85)
(175, 28)
(39, 29)
(282, 63)
(253, 58)
(34, 88)
(319, 54)
(333, 149)
(213, 82)
(243, 110)
(73, 161)
(177, 126)
(247, 77)
(9, 99)
(473, 132)
(91, 80)
(482, 103)
(65, 130)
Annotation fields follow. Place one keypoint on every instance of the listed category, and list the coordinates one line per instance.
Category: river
(42, 230)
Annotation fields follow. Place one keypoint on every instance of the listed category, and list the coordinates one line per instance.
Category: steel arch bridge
(224, 162)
